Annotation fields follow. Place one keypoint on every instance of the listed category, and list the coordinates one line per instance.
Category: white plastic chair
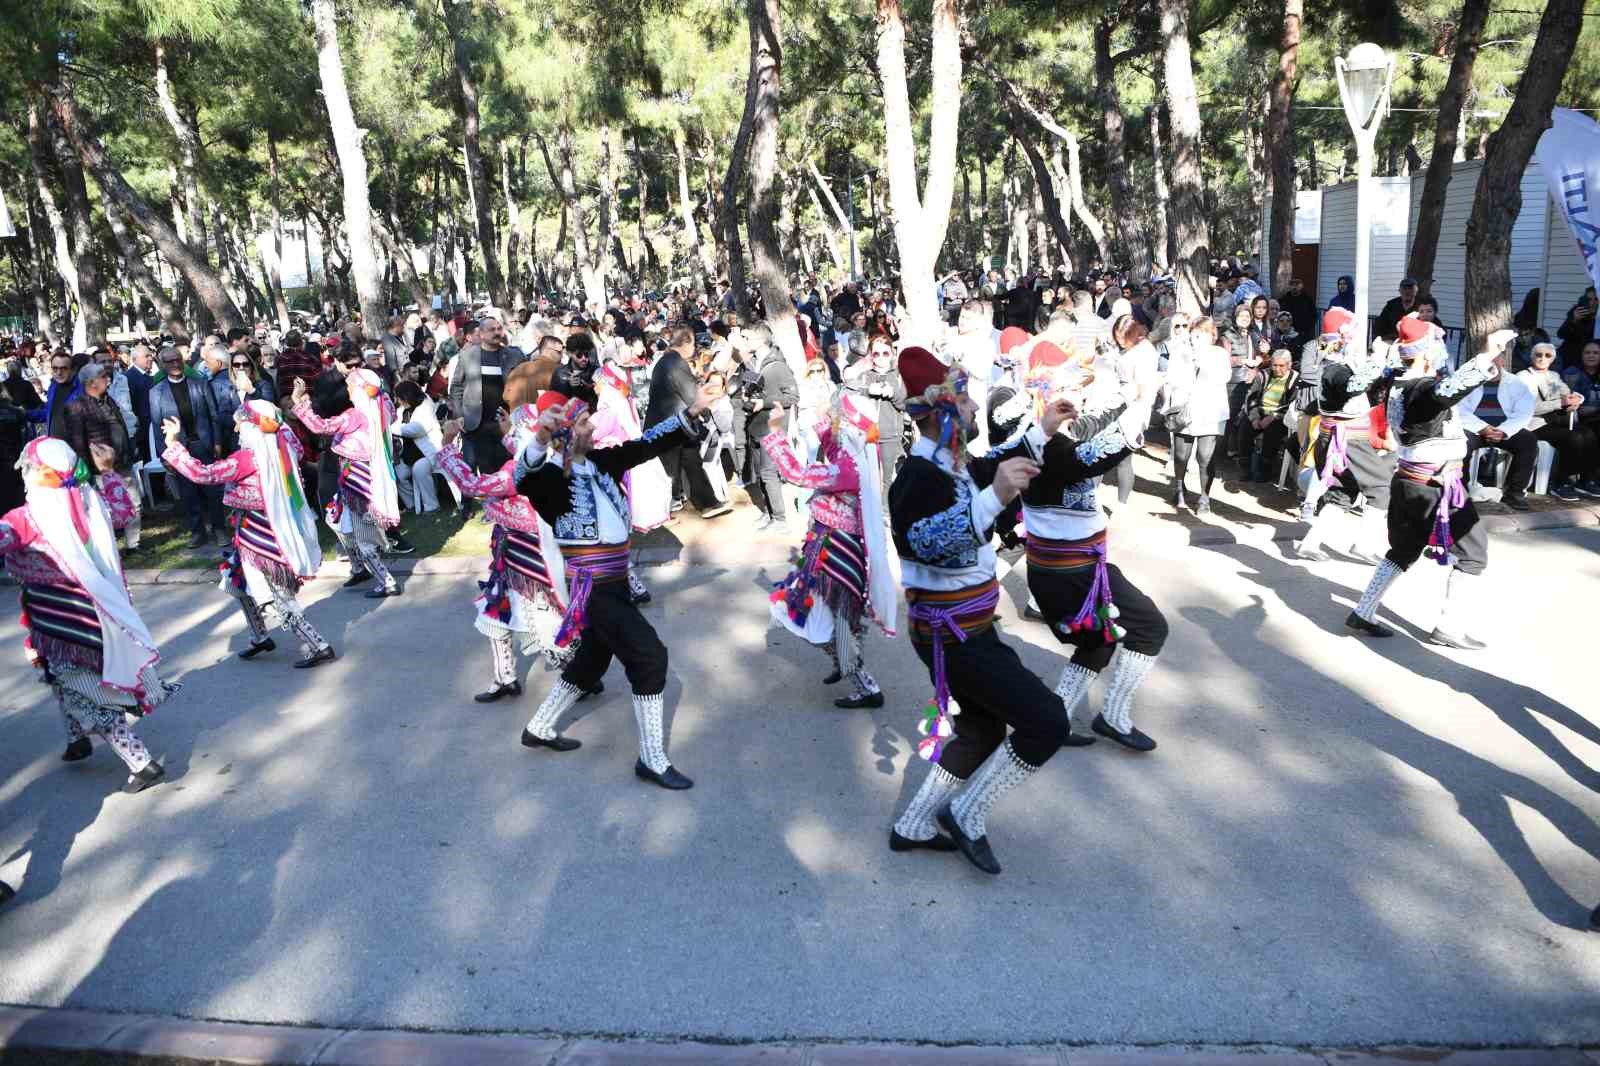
(143, 470)
(1502, 459)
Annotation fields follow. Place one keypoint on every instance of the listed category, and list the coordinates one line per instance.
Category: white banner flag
(6, 228)
(1569, 151)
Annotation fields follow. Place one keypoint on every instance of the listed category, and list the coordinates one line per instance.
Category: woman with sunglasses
(248, 381)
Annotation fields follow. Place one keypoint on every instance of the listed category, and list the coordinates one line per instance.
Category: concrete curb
(120, 1037)
(751, 550)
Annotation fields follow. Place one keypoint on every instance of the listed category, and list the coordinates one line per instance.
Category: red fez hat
(1335, 319)
(1412, 329)
(921, 370)
(550, 398)
(1011, 337)
(1045, 354)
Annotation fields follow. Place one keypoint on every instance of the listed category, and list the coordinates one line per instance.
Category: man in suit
(477, 388)
(396, 346)
(189, 400)
(142, 377)
(673, 390)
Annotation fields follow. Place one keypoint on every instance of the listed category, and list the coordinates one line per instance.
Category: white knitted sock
(916, 821)
(505, 659)
(1127, 674)
(1382, 577)
(560, 700)
(999, 774)
(647, 712)
(1073, 684)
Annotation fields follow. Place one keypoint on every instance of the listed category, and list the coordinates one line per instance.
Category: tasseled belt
(515, 564)
(1097, 611)
(961, 612)
(1338, 450)
(588, 564)
(1452, 497)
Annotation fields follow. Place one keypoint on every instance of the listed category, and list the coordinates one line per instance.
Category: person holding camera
(767, 384)
(672, 390)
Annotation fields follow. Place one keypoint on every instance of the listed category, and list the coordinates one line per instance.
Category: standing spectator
(878, 379)
(574, 378)
(1300, 306)
(673, 390)
(1498, 414)
(224, 396)
(94, 417)
(1197, 412)
(190, 401)
(777, 387)
(1136, 363)
(51, 415)
(1555, 421)
(1388, 327)
(1270, 400)
(476, 390)
(396, 346)
(1344, 294)
(1246, 352)
(142, 376)
(120, 391)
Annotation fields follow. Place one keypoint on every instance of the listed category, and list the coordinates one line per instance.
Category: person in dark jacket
(142, 376)
(777, 387)
(63, 389)
(672, 390)
(1271, 397)
(1344, 293)
(190, 401)
(1301, 307)
(575, 376)
(1397, 308)
(93, 417)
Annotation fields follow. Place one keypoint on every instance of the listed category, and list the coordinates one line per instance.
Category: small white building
(1391, 238)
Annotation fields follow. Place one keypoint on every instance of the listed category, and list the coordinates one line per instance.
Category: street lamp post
(1364, 77)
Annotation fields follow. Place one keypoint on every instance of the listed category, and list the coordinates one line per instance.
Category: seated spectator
(1555, 421)
(1498, 415)
(1270, 399)
(1528, 337)
(1584, 380)
(416, 425)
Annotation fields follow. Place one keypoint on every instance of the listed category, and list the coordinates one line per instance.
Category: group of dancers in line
(562, 508)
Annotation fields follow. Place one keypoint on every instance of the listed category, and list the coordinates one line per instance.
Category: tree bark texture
(207, 284)
(352, 168)
(1162, 250)
(591, 276)
(188, 155)
(1124, 205)
(1446, 140)
(765, 253)
(1044, 188)
(728, 204)
(91, 321)
(139, 272)
(456, 13)
(1498, 199)
(920, 218)
(1279, 143)
(1187, 210)
(702, 260)
(42, 156)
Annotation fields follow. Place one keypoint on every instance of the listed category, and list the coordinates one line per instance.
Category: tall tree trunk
(400, 256)
(702, 260)
(41, 231)
(515, 275)
(139, 272)
(830, 236)
(1192, 261)
(1046, 202)
(1124, 205)
(610, 240)
(207, 285)
(280, 303)
(766, 67)
(192, 229)
(91, 319)
(1498, 199)
(353, 170)
(920, 218)
(1279, 144)
(713, 205)
(41, 154)
(1446, 140)
(841, 219)
(1162, 245)
(456, 14)
(311, 283)
(592, 276)
(728, 204)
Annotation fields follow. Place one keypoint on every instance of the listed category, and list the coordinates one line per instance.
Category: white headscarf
(366, 392)
(293, 522)
(858, 436)
(78, 536)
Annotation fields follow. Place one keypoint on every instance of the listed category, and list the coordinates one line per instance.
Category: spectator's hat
(1335, 320)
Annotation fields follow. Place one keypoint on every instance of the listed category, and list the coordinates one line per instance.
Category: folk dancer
(1352, 465)
(942, 512)
(526, 591)
(647, 486)
(1086, 600)
(576, 488)
(274, 549)
(82, 628)
(368, 502)
(1429, 510)
(845, 576)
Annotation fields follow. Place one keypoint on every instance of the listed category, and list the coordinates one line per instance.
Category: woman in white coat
(419, 425)
(1196, 408)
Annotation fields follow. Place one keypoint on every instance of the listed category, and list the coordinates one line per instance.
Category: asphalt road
(1337, 842)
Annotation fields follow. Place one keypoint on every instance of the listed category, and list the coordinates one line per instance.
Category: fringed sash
(1446, 477)
(833, 566)
(588, 564)
(515, 565)
(1098, 612)
(62, 625)
(963, 613)
(253, 540)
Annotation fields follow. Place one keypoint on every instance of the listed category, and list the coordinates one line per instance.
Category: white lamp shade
(1366, 72)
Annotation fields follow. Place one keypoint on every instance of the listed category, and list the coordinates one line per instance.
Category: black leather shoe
(512, 689)
(360, 577)
(399, 545)
(316, 658)
(1356, 623)
(977, 851)
(1077, 740)
(669, 779)
(381, 593)
(78, 750)
(1460, 641)
(938, 842)
(599, 687)
(833, 678)
(1517, 503)
(639, 599)
(257, 649)
(1133, 741)
(199, 540)
(865, 699)
(150, 775)
(555, 743)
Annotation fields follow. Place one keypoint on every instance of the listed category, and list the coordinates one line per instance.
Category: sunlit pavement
(1337, 843)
